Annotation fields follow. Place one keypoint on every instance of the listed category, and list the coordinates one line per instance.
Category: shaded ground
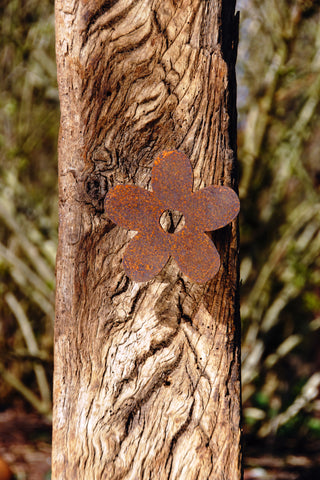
(284, 459)
(25, 444)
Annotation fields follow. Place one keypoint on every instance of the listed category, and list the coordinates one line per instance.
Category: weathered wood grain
(146, 381)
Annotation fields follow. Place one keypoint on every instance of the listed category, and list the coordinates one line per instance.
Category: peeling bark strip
(146, 382)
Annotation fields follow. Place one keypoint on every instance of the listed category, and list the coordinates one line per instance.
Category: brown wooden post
(147, 375)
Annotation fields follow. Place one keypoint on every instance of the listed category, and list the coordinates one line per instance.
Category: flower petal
(132, 207)
(144, 258)
(172, 178)
(196, 256)
(214, 207)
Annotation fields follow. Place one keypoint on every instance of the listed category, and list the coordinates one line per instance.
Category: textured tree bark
(147, 380)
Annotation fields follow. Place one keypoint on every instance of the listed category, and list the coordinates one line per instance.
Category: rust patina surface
(134, 208)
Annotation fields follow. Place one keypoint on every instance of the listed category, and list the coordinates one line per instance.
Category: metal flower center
(172, 221)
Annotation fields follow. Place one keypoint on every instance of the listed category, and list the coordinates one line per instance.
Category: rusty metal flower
(206, 210)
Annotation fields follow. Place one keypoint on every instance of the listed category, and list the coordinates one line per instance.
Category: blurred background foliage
(29, 120)
(279, 150)
(279, 154)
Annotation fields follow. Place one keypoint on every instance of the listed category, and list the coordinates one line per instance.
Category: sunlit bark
(147, 380)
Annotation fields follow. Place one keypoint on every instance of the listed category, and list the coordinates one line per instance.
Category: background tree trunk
(146, 382)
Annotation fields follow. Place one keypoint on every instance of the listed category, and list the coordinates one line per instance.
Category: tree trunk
(147, 380)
